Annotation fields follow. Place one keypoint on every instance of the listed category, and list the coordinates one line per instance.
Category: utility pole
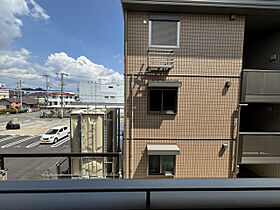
(47, 88)
(62, 74)
(20, 92)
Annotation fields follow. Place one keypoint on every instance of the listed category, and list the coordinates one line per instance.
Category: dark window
(61, 130)
(161, 164)
(155, 100)
(55, 103)
(163, 101)
(110, 87)
(154, 164)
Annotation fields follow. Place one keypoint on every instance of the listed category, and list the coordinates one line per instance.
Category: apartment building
(54, 99)
(103, 94)
(200, 88)
(4, 93)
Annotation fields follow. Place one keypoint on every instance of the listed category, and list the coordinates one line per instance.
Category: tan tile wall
(197, 159)
(211, 45)
(206, 109)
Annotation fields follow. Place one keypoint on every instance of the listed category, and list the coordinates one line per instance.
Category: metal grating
(160, 60)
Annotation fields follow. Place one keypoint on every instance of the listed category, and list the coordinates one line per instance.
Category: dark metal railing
(201, 193)
(118, 155)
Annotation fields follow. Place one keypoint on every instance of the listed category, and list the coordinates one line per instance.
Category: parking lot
(26, 140)
(30, 124)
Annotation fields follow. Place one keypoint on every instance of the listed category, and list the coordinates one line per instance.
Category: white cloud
(38, 12)
(10, 23)
(118, 57)
(82, 67)
(15, 65)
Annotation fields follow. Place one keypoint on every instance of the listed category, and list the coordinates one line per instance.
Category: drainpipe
(124, 146)
(236, 169)
(131, 141)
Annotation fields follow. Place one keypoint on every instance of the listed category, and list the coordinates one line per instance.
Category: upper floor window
(164, 30)
(163, 96)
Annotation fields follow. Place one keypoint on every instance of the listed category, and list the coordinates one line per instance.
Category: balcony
(259, 148)
(260, 86)
(160, 60)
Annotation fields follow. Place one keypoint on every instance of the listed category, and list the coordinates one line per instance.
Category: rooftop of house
(37, 94)
(247, 4)
(25, 100)
(59, 93)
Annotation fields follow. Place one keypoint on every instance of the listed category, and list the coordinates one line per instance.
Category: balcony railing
(260, 86)
(160, 60)
(69, 157)
(141, 194)
(259, 148)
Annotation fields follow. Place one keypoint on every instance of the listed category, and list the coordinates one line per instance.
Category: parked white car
(55, 134)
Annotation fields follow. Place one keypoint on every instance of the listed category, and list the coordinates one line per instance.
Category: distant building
(37, 95)
(14, 93)
(26, 102)
(101, 94)
(54, 99)
(4, 93)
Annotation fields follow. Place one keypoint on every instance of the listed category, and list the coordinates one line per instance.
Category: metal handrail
(244, 189)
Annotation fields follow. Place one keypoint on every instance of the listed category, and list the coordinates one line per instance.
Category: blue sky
(82, 37)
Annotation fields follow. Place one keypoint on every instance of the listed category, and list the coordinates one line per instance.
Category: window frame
(167, 112)
(160, 166)
(164, 46)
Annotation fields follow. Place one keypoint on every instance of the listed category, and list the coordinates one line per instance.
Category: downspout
(124, 149)
(131, 141)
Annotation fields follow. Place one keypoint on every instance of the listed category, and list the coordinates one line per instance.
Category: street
(26, 140)
(30, 124)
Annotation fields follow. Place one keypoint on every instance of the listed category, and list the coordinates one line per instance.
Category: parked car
(11, 125)
(55, 134)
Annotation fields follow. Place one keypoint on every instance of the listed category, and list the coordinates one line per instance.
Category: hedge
(11, 111)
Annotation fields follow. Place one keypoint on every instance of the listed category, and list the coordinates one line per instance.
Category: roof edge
(261, 4)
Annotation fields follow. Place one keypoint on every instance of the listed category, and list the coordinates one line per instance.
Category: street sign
(41, 101)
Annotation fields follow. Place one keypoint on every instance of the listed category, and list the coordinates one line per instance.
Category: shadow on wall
(140, 104)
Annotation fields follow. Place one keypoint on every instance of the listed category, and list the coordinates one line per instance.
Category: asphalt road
(30, 168)
(22, 117)
(30, 124)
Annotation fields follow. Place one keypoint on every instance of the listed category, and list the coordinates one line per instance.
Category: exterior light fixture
(224, 146)
(232, 16)
(228, 84)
